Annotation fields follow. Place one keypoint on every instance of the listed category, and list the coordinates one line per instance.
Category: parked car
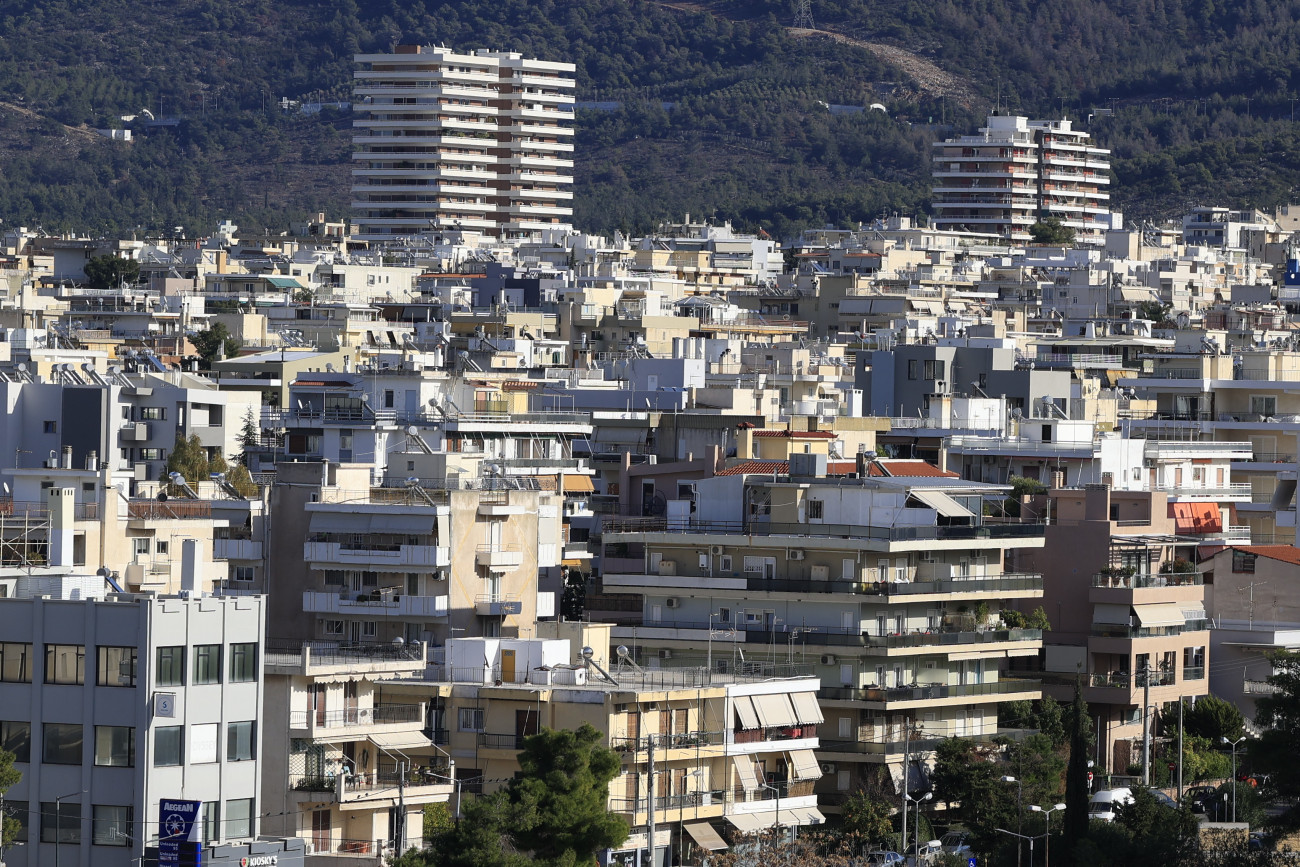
(1196, 796)
(1164, 799)
(885, 859)
(1103, 803)
(956, 843)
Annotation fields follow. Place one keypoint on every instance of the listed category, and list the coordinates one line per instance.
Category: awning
(775, 710)
(804, 764)
(810, 816)
(747, 772)
(1105, 612)
(284, 283)
(749, 823)
(1196, 518)
(943, 504)
(626, 435)
(705, 837)
(806, 709)
(1283, 494)
(398, 525)
(404, 741)
(339, 522)
(1159, 614)
(745, 710)
(576, 483)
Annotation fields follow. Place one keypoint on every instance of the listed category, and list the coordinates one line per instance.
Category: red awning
(1196, 518)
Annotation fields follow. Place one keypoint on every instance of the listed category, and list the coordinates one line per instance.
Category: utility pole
(1180, 751)
(907, 732)
(400, 842)
(650, 802)
(1146, 725)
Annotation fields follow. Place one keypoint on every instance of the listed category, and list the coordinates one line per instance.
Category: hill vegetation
(714, 107)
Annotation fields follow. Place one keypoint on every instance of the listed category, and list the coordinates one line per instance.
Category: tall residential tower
(476, 142)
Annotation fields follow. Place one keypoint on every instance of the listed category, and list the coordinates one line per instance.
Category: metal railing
(357, 716)
(683, 740)
(842, 531)
(1119, 630)
(1148, 579)
(928, 692)
(1125, 680)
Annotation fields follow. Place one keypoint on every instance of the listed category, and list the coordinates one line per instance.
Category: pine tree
(1076, 776)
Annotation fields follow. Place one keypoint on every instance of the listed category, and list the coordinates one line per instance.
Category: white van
(1102, 806)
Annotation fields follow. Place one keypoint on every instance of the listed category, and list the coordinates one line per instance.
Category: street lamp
(1234, 744)
(1047, 834)
(58, 821)
(1022, 837)
(917, 802)
(1020, 809)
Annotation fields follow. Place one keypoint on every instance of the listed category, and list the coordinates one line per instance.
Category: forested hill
(714, 107)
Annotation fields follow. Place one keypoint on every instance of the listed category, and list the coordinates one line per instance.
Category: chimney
(92, 460)
(1096, 503)
(1058, 479)
(62, 524)
(190, 566)
(67, 458)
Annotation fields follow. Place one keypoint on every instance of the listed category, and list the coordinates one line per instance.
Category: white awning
(810, 816)
(943, 504)
(804, 765)
(775, 710)
(749, 823)
(404, 741)
(745, 710)
(806, 708)
(705, 837)
(1106, 612)
(1154, 614)
(747, 772)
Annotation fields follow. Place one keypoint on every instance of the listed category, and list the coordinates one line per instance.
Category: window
(153, 413)
(203, 743)
(239, 818)
(151, 454)
(51, 427)
(65, 663)
(61, 822)
(241, 573)
(243, 662)
(333, 627)
(471, 719)
(1263, 404)
(15, 663)
(115, 746)
(167, 742)
(816, 508)
(934, 369)
(207, 663)
(1243, 561)
(171, 667)
(160, 547)
(369, 628)
(141, 546)
(116, 666)
(111, 826)
(239, 741)
(211, 821)
(16, 738)
(62, 743)
(913, 368)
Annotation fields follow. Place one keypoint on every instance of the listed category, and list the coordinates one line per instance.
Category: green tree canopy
(1275, 750)
(190, 459)
(215, 341)
(9, 777)
(1051, 232)
(1210, 718)
(110, 272)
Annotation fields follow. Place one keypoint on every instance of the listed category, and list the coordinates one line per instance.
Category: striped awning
(804, 765)
(806, 708)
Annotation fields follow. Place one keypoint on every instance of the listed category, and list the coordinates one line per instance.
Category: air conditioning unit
(828, 659)
(366, 715)
(828, 768)
(671, 602)
(665, 654)
(715, 549)
(308, 849)
(795, 554)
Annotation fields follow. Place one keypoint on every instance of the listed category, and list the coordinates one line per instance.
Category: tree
(562, 797)
(241, 480)
(110, 272)
(1275, 750)
(9, 777)
(437, 820)
(866, 819)
(213, 342)
(1051, 232)
(1211, 718)
(250, 437)
(1079, 725)
(190, 459)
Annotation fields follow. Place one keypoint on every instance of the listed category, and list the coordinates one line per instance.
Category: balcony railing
(631, 806)
(971, 584)
(1148, 579)
(357, 716)
(1119, 630)
(169, 510)
(1127, 681)
(834, 531)
(1193, 672)
(1258, 687)
(928, 692)
(684, 740)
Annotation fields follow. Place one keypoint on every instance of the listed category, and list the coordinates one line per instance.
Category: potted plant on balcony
(1178, 570)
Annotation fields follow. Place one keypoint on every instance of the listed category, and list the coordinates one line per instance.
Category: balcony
(856, 532)
(358, 722)
(498, 556)
(497, 605)
(169, 510)
(1258, 687)
(370, 605)
(1148, 579)
(236, 549)
(378, 788)
(1129, 682)
(318, 658)
(398, 557)
(932, 692)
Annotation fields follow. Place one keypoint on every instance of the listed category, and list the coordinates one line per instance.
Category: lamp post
(1047, 834)
(1022, 837)
(58, 821)
(776, 823)
(1234, 744)
(917, 802)
(1020, 809)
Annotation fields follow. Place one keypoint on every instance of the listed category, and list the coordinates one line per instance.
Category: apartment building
(892, 588)
(715, 756)
(447, 142)
(1015, 172)
(117, 701)
(1127, 608)
(351, 765)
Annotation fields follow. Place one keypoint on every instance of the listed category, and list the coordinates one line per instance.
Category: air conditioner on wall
(828, 768)
(795, 554)
(671, 601)
(715, 549)
(665, 654)
(828, 659)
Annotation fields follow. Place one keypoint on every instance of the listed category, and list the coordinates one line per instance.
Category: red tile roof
(910, 467)
(1285, 553)
(797, 434)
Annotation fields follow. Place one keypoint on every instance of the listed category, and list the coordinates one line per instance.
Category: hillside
(720, 107)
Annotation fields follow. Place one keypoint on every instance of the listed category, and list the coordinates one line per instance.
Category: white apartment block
(446, 142)
(1015, 172)
(113, 702)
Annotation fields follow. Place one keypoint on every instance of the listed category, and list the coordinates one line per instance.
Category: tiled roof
(797, 434)
(1285, 553)
(910, 467)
